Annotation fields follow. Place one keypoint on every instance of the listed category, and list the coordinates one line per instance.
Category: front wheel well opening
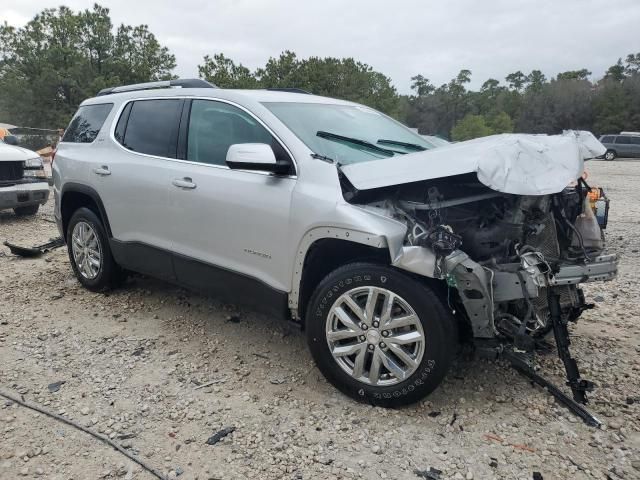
(72, 201)
(326, 255)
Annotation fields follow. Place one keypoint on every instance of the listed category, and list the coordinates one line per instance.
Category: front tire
(378, 335)
(90, 253)
(26, 211)
(610, 155)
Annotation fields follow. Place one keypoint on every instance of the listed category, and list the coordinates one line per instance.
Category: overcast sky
(398, 38)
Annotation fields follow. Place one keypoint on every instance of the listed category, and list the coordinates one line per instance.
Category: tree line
(61, 57)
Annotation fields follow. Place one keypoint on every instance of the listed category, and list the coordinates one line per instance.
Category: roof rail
(290, 90)
(177, 83)
(629, 133)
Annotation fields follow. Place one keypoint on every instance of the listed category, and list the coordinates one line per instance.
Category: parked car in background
(23, 183)
(625, 144)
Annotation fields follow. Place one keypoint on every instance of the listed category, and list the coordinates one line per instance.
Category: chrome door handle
(103, 170)
(185, 182)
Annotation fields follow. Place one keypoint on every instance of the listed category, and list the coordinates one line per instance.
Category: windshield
(437, 141)
(347, 133)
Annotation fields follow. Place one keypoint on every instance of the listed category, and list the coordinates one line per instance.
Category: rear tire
(26, 211)
(90, 253)
(610, 155)
(399, 358)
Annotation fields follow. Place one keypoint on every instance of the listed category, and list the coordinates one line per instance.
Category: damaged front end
(504, 253)
(512, 262)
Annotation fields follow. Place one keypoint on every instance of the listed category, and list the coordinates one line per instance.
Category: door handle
(185, 182)
(103, 170)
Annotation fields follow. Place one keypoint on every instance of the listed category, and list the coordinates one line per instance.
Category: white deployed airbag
(517, 163)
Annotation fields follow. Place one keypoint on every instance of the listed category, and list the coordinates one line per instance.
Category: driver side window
(215, 126)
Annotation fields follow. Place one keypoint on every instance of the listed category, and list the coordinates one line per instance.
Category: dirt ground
(134, 363)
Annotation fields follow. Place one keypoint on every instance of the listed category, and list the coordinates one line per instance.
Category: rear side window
(151, 127)
(86, 123)
(623, 140)
(607, 139)
(635, 140)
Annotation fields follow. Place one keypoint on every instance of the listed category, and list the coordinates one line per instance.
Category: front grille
(11, 171)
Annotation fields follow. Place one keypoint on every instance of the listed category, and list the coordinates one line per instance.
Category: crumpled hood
(11, 153)
(520, 164)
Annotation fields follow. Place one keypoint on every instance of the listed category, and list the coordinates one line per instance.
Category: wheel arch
(322, 250)
(75, 196)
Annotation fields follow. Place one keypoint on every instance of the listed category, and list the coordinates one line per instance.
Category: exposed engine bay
(510, 262)
(501, 252)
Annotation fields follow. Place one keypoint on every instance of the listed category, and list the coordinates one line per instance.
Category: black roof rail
(177, 83)
(290, 90)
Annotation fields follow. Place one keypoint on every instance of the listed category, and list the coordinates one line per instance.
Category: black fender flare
(73, 187)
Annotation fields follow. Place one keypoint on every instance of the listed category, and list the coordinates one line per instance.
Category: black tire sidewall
(439, 337)
(108, 269)
(612, 153)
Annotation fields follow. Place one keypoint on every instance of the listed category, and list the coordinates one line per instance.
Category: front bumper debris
(24, 195)
(602, 268)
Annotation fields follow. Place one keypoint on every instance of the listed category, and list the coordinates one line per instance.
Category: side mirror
(254, 156)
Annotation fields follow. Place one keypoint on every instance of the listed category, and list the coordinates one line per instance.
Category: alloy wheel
(87, 253)
(375, 336)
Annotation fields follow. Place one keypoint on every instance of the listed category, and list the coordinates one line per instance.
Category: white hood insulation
(519, 164)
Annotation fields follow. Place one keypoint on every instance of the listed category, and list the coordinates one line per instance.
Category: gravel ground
(135, 364)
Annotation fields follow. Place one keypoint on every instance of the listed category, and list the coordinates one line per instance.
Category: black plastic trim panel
(227, 285)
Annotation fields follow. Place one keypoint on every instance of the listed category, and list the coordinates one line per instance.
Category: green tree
(343, 78)
(500, 122)
(516, 80)
(61, 57)
(421, 85)
(224, 73)
(610, 107)
(535, 81)
(633, 64)
(471, 126)
(616, 72)
(582, 74)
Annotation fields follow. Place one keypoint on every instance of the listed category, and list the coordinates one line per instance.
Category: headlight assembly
(33, 163)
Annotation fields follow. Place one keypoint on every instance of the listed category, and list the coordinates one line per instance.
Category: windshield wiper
(324, 158)
(355, 141)
(409, 146)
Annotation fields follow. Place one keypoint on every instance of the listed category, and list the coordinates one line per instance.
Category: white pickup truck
(23, 182)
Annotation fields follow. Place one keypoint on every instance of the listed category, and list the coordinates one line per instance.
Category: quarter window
(215, 126)
(86, 123)
(151, 127)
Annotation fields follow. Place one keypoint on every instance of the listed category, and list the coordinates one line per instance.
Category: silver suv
(386, 251)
